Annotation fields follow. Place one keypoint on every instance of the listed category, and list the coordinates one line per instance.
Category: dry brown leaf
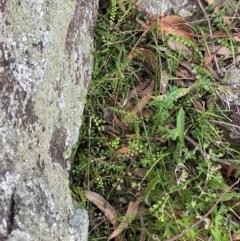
(163, 140)
(140, 172)
(180, 48)
(233, 24)
(176, 26)
(214, 72)
(198, 105)
(187, 65)
(237, 38)
(230, 170)
(217, 10)
(121, 5)
(210, 1)
(122, 150)
(164, 82)
(227, 21)
(118, 122)
(127, 219)
(116, 119)
(103, 205)
(221, 50)
(183, 73)
(139, 88)
(146, 112)
(180, 73)
(138, 108)
(131, 135)
(144, 53)
(219, 34)
(210, 58)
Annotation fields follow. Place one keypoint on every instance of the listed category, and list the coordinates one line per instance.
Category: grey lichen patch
(9, 184)
(2, 13)
(188, 9)
(78, 219)
(155, 7)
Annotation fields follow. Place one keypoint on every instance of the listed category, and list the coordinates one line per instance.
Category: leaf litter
(178, 27)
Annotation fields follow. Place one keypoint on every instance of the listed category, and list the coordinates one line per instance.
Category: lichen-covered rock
(230, 99)
(45, 69)
(188, 9)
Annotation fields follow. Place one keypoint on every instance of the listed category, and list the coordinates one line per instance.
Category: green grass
(169, 155)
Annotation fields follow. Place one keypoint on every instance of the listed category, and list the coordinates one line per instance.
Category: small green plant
(160, 147)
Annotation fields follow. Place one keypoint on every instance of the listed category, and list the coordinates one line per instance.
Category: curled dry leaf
(127, 218)
(198, 105)
(103, 205)
(176, 26)
(123, 150)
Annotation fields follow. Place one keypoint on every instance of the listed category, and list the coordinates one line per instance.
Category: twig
(225, 123)
(206, 215)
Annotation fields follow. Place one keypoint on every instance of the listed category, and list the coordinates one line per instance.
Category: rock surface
(45, 69)
(188, 9)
